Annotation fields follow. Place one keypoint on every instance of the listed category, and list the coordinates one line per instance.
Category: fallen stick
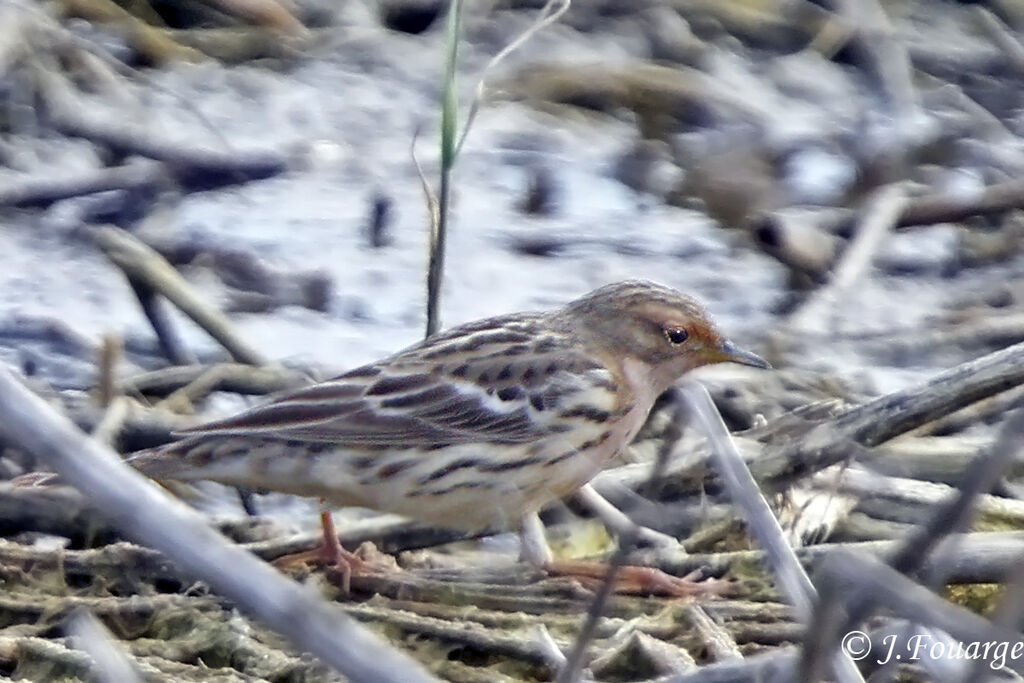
(857, 583)
(143, 264)
(800, 241)
(112, 663)
(173, 348)
(142, 511)
(978, 557)
(192, 167)
(1002, 37)
(836, 614)
(764, 527)
(237, 378)
(886, 57)
(887, 417)
(859, 482)
(41, 192)
(945, 208)
(262, 286)
(880, 214)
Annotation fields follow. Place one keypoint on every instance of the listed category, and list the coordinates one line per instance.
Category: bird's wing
(412, 401)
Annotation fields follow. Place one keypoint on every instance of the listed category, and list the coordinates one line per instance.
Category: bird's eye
(676, 335)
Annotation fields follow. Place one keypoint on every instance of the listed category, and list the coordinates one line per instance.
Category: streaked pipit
(476, 427)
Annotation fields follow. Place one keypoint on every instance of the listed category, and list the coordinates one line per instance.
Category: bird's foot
(339, 564)
(365, 561)
(633, 580)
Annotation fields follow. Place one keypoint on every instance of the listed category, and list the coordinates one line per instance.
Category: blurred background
(727, 149)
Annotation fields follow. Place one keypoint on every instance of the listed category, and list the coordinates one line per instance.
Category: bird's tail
(157, 463)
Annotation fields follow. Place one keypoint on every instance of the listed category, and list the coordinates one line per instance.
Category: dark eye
(676, 335)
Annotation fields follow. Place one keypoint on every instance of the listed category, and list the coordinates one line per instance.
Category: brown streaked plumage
(473, 427)
(476, 427)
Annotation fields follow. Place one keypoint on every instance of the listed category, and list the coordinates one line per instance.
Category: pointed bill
(734, 354)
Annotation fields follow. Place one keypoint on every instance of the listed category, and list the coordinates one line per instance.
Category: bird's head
(656, 325)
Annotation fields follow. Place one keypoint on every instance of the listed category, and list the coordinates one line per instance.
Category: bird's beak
(730, 353)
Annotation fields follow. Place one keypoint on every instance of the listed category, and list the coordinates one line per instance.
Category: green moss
(977, 597)
(752, 581)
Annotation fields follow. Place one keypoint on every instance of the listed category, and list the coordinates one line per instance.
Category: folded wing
(417, 407)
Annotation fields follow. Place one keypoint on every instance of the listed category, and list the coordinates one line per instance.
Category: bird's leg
(533, 546)
(328, 553)
(630, 579)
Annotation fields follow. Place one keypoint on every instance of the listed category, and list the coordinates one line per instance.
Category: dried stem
(143, 264)
(449, 115)
(761, 521)
(144, 512)
(878, 218)
(113, 665)
(837, 613)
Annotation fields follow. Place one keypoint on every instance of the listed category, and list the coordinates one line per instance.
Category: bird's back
(468, 429)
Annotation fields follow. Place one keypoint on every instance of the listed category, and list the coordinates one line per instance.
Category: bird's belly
(475, 486)
(461, 487)
(466, 486)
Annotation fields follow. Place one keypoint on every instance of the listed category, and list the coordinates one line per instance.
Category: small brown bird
(476, 427)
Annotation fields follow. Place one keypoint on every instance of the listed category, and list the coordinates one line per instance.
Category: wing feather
(411, 400)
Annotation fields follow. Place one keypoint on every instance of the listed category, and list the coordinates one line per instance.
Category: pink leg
(329, 553)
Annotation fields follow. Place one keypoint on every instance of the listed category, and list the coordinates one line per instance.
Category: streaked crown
(652, 323)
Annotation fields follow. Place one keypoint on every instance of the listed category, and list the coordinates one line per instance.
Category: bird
(476, 427)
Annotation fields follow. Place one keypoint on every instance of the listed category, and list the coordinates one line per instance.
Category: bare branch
(143, 264)
(143, 512)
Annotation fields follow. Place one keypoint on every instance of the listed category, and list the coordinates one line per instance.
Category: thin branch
(761, 521)
(1002, 36)
(859, 583)
(173, 348)
(880, 213)
(137, 176)
(111, 350)
(237, 378)
(889, 416)
(142, 511)
(143, 264)
(570, 673)
(549, 14)
(428, 192)
(113, 665)
(945, 207)
(835, 615)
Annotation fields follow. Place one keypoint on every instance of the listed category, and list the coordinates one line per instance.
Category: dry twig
(144, 512)
(761, 521)
(142, 264)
